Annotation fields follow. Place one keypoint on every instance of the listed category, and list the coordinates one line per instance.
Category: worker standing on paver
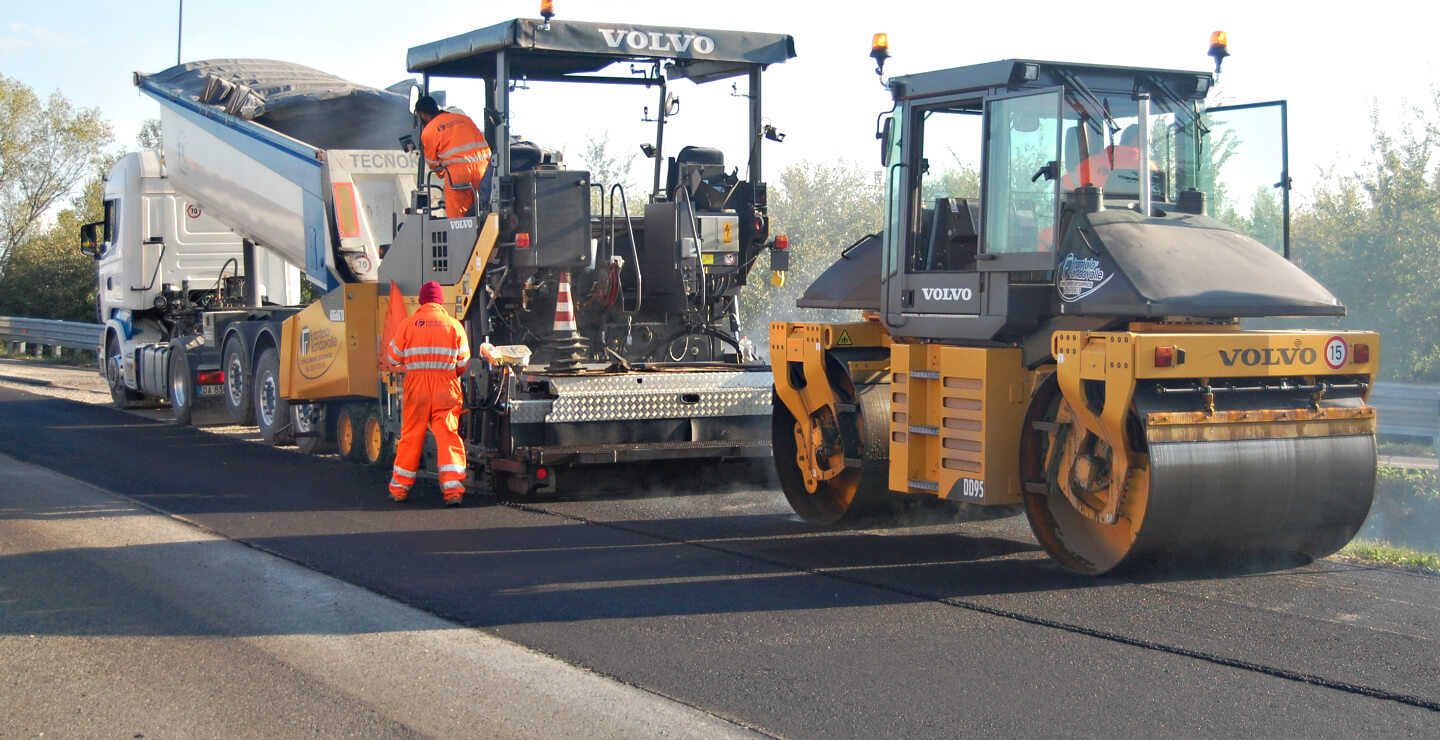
(456, 150)
(432, 350)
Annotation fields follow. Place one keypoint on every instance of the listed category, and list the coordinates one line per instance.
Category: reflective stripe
(452, 485)
(452, 469)
(431, 366)
(397, 470)
(474, 145)
(402, 486)
(467, 153)
(431, 351)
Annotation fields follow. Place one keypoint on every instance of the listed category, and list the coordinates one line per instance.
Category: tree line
(1371, 236)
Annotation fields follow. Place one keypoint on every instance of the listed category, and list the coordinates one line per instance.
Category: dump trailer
(271, 172)
(1062, 329)
(603, 339)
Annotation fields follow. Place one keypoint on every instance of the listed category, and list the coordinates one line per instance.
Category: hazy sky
(1329, 65)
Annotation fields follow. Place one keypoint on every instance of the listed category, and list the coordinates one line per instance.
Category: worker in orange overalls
(456, 150)
(1097, 168)
(432, 350)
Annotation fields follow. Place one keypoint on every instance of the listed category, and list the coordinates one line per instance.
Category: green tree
(47, 277)
(822, 208)
(45, 150)
(1267, 219)
(149, 138)
(608, 168)
(1373, 238)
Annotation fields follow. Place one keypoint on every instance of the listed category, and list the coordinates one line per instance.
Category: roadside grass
(1404, 523)
(1385, 552)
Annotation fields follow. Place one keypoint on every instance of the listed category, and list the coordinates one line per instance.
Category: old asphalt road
(716, 602)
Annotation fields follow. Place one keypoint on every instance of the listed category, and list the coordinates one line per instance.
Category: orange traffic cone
(566, 342)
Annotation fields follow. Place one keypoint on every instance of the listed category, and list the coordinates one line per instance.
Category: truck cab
(160, 259)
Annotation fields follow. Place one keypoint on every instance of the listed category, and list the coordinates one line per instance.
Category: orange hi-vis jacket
(433, 350)
(455, 148)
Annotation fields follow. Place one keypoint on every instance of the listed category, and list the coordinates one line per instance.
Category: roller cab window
(943, 235)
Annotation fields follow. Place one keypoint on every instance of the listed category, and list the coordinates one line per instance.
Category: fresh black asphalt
(725, 602)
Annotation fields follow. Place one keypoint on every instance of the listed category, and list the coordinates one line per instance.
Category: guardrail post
(1436, 428)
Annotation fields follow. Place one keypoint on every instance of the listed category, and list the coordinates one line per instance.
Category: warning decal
(844, 340)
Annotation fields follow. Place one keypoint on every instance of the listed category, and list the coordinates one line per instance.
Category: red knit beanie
(430, 293)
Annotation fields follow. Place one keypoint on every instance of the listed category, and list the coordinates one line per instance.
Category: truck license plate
(209, 390)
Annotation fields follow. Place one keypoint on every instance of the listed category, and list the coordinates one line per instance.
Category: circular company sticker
(1336, 353)
(192, 210)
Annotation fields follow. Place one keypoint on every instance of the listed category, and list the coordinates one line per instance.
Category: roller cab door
(1021, 186)
(1244, 168)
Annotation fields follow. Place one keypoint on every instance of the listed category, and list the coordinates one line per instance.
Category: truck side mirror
(886, 137)
(90, 239)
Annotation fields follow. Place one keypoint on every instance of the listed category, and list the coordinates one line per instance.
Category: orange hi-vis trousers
(431, 400)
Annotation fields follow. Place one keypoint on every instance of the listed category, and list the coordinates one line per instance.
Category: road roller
(1059, 314)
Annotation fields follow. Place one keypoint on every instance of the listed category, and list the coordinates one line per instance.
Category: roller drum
(1197, 501)
(1304, 495)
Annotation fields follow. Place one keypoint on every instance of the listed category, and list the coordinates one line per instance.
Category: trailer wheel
(272, 413)
(123, 397)
(239, 400)
(350, 432)
(314, 430)
(378, 447)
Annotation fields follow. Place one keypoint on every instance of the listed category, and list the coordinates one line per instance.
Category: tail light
(522, 240)
(210, 377)
(1362, 353)
(782, 242)
(1169, 356)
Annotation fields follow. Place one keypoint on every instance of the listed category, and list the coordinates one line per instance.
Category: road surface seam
(1283, 673)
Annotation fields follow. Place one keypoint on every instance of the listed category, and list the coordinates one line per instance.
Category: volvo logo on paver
(947, 294)
(1268, 356)
(658, 40)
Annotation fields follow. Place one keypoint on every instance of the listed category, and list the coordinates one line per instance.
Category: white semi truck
(201, 253)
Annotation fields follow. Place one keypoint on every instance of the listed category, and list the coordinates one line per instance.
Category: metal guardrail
(1408, 409)
(50, 333)
(1404, 409)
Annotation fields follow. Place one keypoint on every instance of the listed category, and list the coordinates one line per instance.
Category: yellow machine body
(974, 425)
(328, 350)
(331, 349)
(955, 417)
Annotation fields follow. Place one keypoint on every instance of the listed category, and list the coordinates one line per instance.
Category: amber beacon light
(1219, 48)
(880, 51)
